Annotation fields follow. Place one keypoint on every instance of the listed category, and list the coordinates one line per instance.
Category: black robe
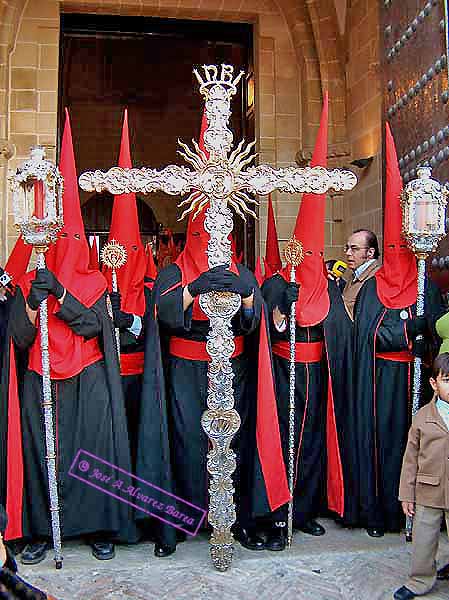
(89, 415)
(4, 315)
(310, 388)
(132, 384)
(342, 469)
(383, 397)
(172, 443)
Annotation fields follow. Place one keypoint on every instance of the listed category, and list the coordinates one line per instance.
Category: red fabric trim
(305, 352)
(335, 481)
(268, 436)
(85, 353)
(193, 350)
(402, 356)
(132, 363)
(14, 457)
(170, 289)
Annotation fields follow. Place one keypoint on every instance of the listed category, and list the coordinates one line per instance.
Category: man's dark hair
(441, 365)
(371, 240)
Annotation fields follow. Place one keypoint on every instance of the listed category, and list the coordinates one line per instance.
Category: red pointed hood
(94, 262)
(18, 260)
(313, 303)
(258, 272)
(397, 279)
(193, 259)
(69, 261)
(125, 230)
(272, 256)
(69, 257)
(151, 271)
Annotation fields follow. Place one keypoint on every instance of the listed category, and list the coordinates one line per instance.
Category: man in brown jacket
(424, 485)
(362, 255)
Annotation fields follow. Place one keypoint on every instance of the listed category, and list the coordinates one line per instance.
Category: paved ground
(342, 565)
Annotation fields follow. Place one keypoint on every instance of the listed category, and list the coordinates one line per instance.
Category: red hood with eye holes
(125, 230)
(397, 279)
(68, 259)
(313, 302)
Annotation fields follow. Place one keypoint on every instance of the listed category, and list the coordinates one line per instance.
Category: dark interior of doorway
(108, 63)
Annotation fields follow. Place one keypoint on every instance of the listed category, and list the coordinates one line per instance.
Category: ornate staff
(113, 255)
(219, 182)
(37, 200)
(423, 204)
(294, 255)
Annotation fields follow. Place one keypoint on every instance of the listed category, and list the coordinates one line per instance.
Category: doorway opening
(109, 63)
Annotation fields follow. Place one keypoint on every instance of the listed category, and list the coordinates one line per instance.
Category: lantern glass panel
(426, 214)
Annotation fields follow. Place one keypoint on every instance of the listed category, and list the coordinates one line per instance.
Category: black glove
(36, 296)
(219, 279)
(416, 326)
(46, 280)
(122, 320)
(289, 296)
(230, 282)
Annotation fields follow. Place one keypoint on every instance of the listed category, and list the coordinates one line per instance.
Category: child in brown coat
(424, 485)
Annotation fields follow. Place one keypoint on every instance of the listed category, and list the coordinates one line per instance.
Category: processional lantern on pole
(423, 204)
(424, 224)
(216, 184)
(294, 255)
(37, 187)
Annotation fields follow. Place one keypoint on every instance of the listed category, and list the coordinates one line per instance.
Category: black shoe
(275, 540)
(34, 553)
(404, 593)
(161, 551)
(312, 527)
(375, 532)
(103, 550)
(249, 540)
(443, 573)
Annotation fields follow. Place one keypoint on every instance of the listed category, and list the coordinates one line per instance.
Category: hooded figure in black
(86, 391)
(385, 331)
(173, 446)
(318, 405)
(129, 303)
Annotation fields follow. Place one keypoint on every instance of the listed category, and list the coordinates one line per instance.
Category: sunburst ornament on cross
(219, 183)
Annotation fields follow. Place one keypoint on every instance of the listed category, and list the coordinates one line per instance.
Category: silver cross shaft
(217, 184)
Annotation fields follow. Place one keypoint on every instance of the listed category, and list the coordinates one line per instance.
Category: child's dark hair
(441, 365)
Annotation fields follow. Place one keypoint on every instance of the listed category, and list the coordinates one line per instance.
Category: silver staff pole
(293, 255)
(37, 200)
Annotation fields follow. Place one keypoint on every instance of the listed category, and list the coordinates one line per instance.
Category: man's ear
(371, 252)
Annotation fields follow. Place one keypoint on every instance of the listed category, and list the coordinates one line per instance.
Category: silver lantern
(37, 187)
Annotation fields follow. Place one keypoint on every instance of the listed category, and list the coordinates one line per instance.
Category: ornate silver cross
(219, 182)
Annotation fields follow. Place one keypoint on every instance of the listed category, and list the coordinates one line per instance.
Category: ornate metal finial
(211, 79)
(294, 252)
(113, 255)
(37, 187)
